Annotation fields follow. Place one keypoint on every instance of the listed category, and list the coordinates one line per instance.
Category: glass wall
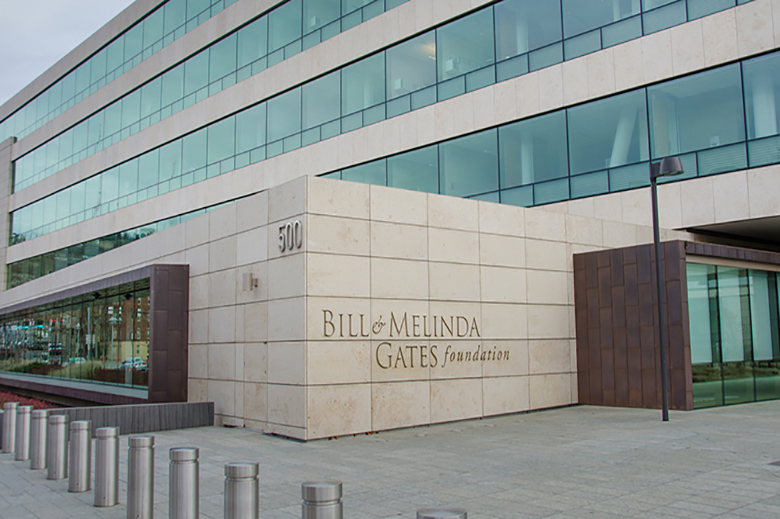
(594, 148)
(36, 266)
(496, 43)
(98, 337)
(735, 337)
(284, 32)
(156, 30)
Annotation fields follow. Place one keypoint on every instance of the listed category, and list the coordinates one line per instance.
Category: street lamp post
(668, 167)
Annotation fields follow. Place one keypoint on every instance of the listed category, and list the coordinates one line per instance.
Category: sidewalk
(563, 463)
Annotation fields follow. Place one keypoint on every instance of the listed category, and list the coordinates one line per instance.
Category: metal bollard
(9, 427)
(441, 513)
(2, 419)
(241, 490)
(80, 462)
(107, 466)
(184, 495)
(22, 444)
(57, 447)
(140, 478)
(38, 439)
(321, 500)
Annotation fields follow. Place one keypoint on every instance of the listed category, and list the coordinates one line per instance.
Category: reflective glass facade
(735, 334)
(97, 337)
(284, 32)
(702, 117)
(156, 30)
(32, 268)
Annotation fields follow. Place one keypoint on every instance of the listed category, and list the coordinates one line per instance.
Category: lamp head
(668, 167)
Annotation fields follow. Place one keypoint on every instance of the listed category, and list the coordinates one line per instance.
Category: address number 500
(290, 236)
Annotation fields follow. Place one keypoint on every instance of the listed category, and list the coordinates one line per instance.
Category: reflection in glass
(526, 25)
(533, 150)
(581, 16)
(608, 133)
(469, 166)
(411, 65)
(363, 84)
(415, 170)
(465, 45)
(697, 112)
(762, 86)
(93, 337)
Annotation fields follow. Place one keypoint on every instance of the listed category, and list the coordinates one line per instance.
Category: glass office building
(180, 111)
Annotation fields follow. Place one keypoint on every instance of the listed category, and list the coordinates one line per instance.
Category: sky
(35, 34)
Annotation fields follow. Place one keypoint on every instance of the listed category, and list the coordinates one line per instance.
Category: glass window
(133, 41)
(222, 58)
(608, 133)
(697, 112)
(285, 25)
(253, 41)
(371, 173)
(148, 169)
(196, 72)
(411, 65)
(128, 178)
(321, 100)
(195, 7)
(93, 192)
(77, 197)
(172, 85)
(734, 307)
(153, 28)
(221, 139)
(416, 170)
(98, 66)
(525, 25)
(581, 16)
(468, 166)
(762, 89)
(62, 202)
(110, 185)
(533, 150)
(131, 109)
(82, 77)
(347, 6)
(175, 11)
(170, 160)
(284, 115)
(250, 128)
(318, 13)
(115, 53)
(465, 45)
(113, 122)
(363, 84)
(150, 97)
(194, 151)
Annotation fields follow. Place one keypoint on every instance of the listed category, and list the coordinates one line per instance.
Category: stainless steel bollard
(38, 439)
(22, 444)
(184, 495)
(57, 447)
(321, 500)
(441, 513)
(241, 490)
(140, 478)
(9, 427)
(80, 462)
(107, 466)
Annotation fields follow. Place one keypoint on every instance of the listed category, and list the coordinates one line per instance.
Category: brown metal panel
(634, 357)
(591, 271)
(607, 369)
(674, 294)
(632, 326)
(621, 387)
(631, 284)
(605, 292)
(646, 308)
(616, 267)
(620, 348)
(618, 306)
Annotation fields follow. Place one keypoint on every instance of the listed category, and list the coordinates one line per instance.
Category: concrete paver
(563, 463)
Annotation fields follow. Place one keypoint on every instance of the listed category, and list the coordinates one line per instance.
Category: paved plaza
(564, 463)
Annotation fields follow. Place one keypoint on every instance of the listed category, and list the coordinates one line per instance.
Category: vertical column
(57, 447)
(107, 466)
(80, 466)
(241, 490)
(9, 426)
(6, 178)
(764, 109)
(526, 158)
(184, 495)
(38, 427)
(22, 444)
(140, 478)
